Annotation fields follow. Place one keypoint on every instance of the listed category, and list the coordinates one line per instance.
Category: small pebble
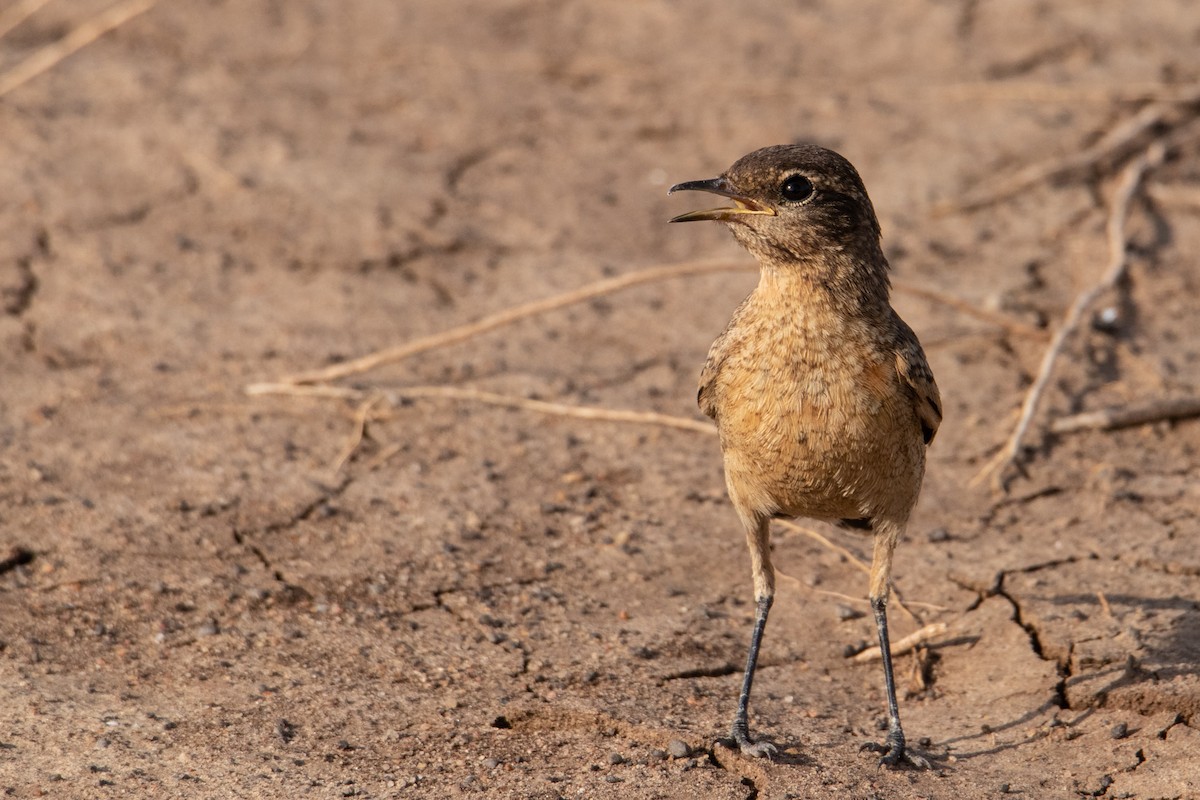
(658, 755)
(1119, 731)
(610, 778)
(616, 758)
(1107, 320)
(490, 763)
(678, 748)
(939, 535)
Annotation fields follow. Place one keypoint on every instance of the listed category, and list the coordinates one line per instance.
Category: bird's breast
(813, 420)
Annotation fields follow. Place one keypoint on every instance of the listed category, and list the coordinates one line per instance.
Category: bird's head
(791, 203)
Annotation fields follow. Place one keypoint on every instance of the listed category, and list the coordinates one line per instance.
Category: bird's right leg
(758, 537)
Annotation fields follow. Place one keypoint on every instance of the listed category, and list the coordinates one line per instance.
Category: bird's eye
(796, 189)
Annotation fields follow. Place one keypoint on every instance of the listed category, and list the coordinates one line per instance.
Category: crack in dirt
(1035, 639)
(242, 538)
(18, 299)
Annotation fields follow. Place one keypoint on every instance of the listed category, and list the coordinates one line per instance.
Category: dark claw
(752, 748)
(894, 753)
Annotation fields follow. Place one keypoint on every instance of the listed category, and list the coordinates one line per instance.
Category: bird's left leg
(894, 750)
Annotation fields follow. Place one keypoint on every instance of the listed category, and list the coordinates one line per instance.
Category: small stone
(616, 758)
(677, 748)
(490, 763)
(939, 535)
(610, 778)
(1119, 731)
(1107, 320)
(658, 755)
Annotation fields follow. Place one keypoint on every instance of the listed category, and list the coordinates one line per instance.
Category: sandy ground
(211, 594)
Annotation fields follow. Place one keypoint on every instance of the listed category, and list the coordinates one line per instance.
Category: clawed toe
(754, 749)
(895, 754)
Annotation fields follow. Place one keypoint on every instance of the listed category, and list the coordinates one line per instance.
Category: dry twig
(902, 646)
(588, 292)
(17, 13)
(1123, 194)
(1002, 321)
(361, 415)
(1107, 419)
(394, 396)
(81, 36)
(1113, 142)
(506, 317)
(854, 560)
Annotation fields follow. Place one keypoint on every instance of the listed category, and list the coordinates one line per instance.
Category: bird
(823, 398)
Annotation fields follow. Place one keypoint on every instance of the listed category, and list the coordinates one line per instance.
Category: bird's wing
(706, 397)
(720, 351)
(914, 370)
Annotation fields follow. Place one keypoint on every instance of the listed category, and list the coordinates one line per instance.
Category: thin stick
(334, 392)
(361, 414)
(864, 600)
(1111, 142)
(1009, 324)
(904, 645)
(394, 396)
(1030, 92)
(79, 37)
(853, 559)
(557, 409)
(507, 317)
(1123, 195)
(1107, 419)
(385, 455)
(1104, 604)
(825, 542)
(17, 13)
(592, 290)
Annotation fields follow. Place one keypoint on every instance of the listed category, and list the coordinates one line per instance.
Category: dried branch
(853, 559)
(81, 36)
(1012, 326)
(588, 292)
(1116, 140)
(395, 396)
(1107, 419)
(1118, 244)
(507, 317)
(902, 646)
(17, 13)
(361, 415)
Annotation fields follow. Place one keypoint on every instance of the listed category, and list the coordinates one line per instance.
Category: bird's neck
(843, 282)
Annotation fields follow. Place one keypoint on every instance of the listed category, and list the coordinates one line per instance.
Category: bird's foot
(749, 747)
(895, 754)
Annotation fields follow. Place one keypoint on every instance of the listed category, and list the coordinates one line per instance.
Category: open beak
(741, 205)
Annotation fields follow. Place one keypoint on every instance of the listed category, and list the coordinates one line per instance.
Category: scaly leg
(881, 567)
(758, 537)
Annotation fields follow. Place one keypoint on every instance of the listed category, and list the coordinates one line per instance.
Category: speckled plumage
(822, 395)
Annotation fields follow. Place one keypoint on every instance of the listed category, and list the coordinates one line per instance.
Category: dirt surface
(200, 600)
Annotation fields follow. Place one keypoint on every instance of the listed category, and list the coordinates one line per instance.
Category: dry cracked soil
(354, 591)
